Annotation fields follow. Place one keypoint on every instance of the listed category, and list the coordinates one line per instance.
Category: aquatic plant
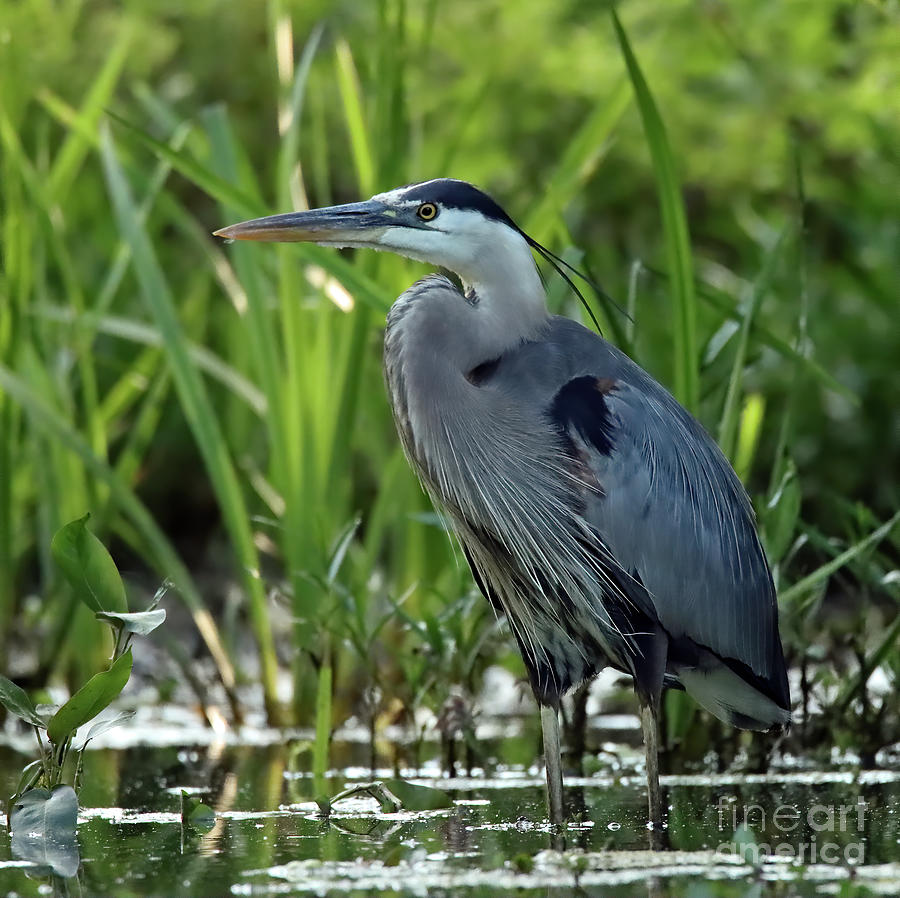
(92, 575)
(222, 413)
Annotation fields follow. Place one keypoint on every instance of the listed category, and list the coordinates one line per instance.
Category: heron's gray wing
(675, 516)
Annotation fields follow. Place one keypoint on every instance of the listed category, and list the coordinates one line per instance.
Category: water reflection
(726, 833)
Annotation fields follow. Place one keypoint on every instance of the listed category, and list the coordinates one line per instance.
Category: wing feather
(673, 513)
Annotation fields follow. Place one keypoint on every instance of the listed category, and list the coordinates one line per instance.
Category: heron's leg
(650, 728)
(649, 675)
(553, 761)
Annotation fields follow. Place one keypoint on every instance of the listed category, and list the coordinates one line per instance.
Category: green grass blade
(679, 257)
(354, 115)
(875, 658)
(364, 289)
(290, 138)
(266, 351)
(144, 334)
(728, 423)
(144, 426)
(721, 302)
(198, 412)
(239, 204)
(82, 134)
(8, 510)
(323, 723)
(803, 587)
(122, 254)
(582, 155)
(203, 177)
(389, 131)
(165, 558)
(749, 431)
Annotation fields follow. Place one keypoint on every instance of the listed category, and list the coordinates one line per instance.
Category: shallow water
(796, 832)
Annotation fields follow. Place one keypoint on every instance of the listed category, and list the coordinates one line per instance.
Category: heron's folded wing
(674, 514)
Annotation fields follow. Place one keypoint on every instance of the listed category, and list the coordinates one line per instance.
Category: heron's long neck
(502, 280)
(437, 339)
(434, 343)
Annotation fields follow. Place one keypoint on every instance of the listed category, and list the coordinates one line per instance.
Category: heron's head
(445, 222)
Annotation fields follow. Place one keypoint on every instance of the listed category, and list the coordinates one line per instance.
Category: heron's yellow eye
(427, 211)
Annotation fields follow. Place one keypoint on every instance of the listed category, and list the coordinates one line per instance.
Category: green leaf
(139, 622)
(104, 726)
(17, 702)
(89, 568)
(48, 814)
(27, 778)
(42, 825)
(340, 552)
(196, 814)
(90, 700)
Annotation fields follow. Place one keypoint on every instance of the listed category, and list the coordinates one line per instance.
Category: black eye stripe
(449, 194)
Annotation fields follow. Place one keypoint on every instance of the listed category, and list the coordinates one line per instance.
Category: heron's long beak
(348, 225)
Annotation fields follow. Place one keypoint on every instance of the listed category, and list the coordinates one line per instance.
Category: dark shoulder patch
(480, 373)
(581, 404)
(458, 195)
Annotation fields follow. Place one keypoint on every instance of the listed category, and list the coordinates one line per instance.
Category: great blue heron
(596, 514)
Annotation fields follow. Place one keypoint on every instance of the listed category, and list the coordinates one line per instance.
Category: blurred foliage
(130, 386)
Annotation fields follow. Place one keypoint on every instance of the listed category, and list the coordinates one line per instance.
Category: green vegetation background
(223, 418)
